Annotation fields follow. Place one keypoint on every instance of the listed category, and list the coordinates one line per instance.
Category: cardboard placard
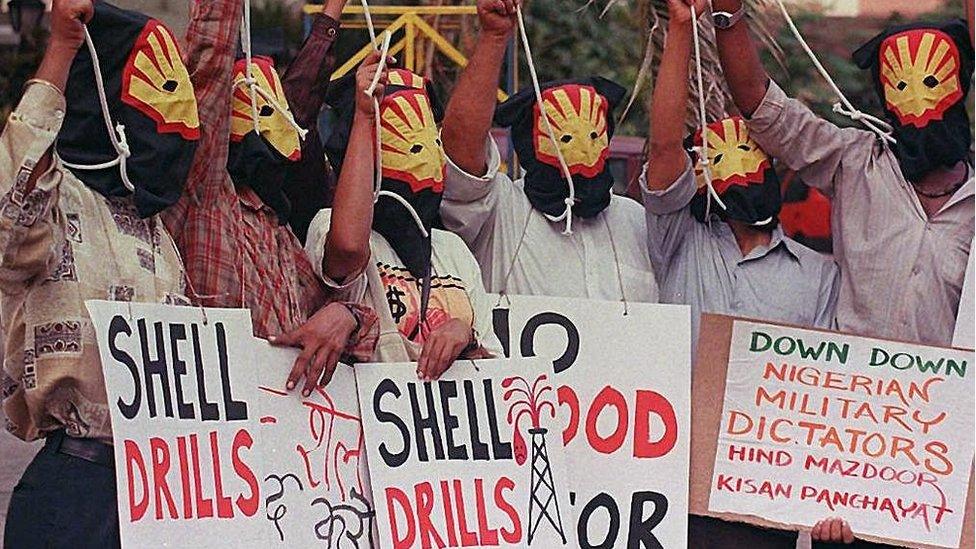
(624, 409)
(473, 459)
(964, 335)
(210, 450)
(831, 382)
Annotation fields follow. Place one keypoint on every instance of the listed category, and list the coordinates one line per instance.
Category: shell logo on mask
(578, 115)
(412, 150)
(156, 83)
(920, 75)
(733, 157)
(273, 125)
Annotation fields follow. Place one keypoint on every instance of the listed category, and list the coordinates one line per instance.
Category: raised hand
(364, 78)
(832, 530)
(497, 17)
(67, 18)
(443, 346)
(679, 11)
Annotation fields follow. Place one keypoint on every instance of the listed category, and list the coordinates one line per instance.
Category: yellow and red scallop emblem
(273, 125)
(920, 75)
(578, 115)
(412, 150)
(155, 82)
(734, 158)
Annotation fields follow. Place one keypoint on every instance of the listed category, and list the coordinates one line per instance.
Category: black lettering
(582, 532)
(155, 367)
(568, 358)
(429, 422)
(479, 450)
(208, 410)
(501, 449)
(391, 459)
(116, 327)
(500, 324)
(642, 530)
(233, 409)
(177, 333)
(448, 390)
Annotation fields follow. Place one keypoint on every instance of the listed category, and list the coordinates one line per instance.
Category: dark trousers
(712, 533)
(63, 501)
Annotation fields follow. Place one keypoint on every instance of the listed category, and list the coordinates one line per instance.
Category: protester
(311, 181)
(902, 213)
(387, 251)
(517, 230)
(729, 257)
(72, 234)
(229, 223)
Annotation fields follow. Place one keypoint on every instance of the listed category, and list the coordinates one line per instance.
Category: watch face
(722, 20)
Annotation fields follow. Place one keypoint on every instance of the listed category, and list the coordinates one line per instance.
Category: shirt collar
(777, 240)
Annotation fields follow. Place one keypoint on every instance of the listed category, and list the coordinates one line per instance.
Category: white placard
(473, 459)
(181, 391)
(965, 333)
(819, 424)
(624, 383)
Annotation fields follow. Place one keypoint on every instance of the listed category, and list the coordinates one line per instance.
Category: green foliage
(16, 68)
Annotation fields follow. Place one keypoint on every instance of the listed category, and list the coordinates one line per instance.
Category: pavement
(15, 454)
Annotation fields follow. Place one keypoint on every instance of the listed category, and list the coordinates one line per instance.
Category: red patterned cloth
(235, 252)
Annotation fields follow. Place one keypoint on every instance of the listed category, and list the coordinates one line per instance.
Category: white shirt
(605, 257)
(456, 288)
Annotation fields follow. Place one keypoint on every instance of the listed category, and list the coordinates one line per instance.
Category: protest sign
(315, 483)
(471, 460)
(623, 384)
(817, 424)
(181, 389)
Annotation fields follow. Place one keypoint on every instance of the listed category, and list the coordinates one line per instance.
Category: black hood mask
(581, 114)
(148, 94)
(922, 74)
(742, 175)
(414, 164)
(259, 158)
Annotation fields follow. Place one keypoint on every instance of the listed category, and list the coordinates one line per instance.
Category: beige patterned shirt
(61, 244)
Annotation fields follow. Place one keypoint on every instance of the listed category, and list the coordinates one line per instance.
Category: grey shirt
(701, 265)
(902, 271)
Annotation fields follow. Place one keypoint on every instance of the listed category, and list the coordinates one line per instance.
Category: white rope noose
(116, 134)
(703, 120)
(570, 200)
(384, 50)
(254, 90)
(843, 106)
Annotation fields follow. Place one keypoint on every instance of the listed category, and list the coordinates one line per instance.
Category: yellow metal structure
(408, 21)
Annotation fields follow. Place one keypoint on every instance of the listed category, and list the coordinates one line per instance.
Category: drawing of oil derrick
(529, 402)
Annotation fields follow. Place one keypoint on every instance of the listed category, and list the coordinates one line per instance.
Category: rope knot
(122, 147)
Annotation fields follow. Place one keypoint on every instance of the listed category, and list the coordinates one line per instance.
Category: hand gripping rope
(703, 120)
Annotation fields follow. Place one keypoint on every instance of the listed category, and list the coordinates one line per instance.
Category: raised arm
(467, 119)
(743, 69)
(667, 157)
(211, 41)
(307, 79)
(347, 244)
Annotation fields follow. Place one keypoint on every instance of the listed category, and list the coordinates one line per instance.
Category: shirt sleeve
(827, 304)
(28, 232)
(668, 218)
(470, 204)
(307, 79)
(480, 302)
(353, 289)
(362, 344)
(790, 132)
(211, 40)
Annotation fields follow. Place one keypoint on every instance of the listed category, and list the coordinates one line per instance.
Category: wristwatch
(724, 20)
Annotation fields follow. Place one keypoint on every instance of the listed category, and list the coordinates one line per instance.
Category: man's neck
(749, 237)
(935, 188)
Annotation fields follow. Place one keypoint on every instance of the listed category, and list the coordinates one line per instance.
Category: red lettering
(224, 507)
(184, 477)
(160, 465)
(607, 397)
(448, 513)
(204, 505)
(247, 505)
(397, 495)
(468, 538)
(651, 402)
(489, 536)
(133, 456)
(514, 535)
(424, 494)
(568, 397)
